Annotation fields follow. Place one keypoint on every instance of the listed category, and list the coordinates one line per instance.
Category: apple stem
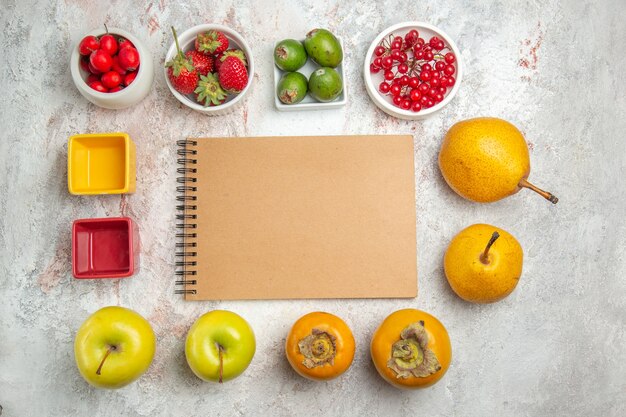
(220, 350)
(548, 196)
(484, 257)
(106, 355)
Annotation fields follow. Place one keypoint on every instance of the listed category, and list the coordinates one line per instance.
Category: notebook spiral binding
(185, 254)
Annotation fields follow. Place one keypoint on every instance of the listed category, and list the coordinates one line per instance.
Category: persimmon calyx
(318, 349)
(410, 356)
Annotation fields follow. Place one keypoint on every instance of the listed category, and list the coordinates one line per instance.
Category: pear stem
(484, 257)
(548, 196)
(220, 350)
(106, 355)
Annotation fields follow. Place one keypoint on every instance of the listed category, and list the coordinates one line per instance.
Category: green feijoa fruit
(323, 48)
(289, 55)
(292, 88)
(325, 84)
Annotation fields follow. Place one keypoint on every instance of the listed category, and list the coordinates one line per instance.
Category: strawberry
(209, 91)
(233, 75)
(212, 42)
(202, 63)
(230, 52)
(181, 72)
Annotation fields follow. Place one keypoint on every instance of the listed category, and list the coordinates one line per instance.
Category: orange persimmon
(411, 349)
(320, 346)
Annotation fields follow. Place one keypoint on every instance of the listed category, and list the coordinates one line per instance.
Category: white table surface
(555, 347)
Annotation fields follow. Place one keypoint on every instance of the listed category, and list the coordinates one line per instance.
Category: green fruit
(323, 48)
(289, 55)
(292, 88)
(325, 84)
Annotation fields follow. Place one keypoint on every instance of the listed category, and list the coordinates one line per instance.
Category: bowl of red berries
(112, 68)
(209, 68)
(412, 70)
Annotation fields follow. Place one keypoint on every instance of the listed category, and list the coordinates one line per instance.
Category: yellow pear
(483, 263)
(486, 159)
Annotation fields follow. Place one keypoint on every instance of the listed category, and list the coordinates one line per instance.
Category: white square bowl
(309, 103)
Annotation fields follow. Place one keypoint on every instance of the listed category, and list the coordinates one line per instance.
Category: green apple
(220, 346)
(114, 347)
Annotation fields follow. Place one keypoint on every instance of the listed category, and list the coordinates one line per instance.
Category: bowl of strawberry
(209, 68)
(112, 68)
(412, 70)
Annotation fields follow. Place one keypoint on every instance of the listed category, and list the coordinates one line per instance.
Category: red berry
(423, 88)
(389, 75)
(432, 92)
(451, 81)
(428, 55)
(420, 42)
(116, 66)
(450, 58)
(395, 54)
(97, 85)
(435, 82)
(128, 58)
(88, 45)
(180, 70)
(379, 50)
(116, 89)
(438, 97)
(418, 54)
(403, 56)
(440, 65)
(415, 95)
(374, 69)
(406, 104)
(395, 90)
(442, 90)
(433, 41)
(378, 62)
(397, 100)
(84, 64)
(212, 42)
(425, 75)
(384, 87)
(202, 63)
(430, 103)
(100, 60)
(233, 76)
(111, 79)
(124, 43)
(414, 82)
(129, 78)
(411, 37)
(404, 80)
(387, 62)
(396, 44)
(440, 45)
(424, 101)
(403, 68)
(398, 39)
(416, 106)
(427, 68)
(449, 69)
(108, 44)
(91, 78)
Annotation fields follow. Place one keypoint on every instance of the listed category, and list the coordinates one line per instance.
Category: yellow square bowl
(101, 163)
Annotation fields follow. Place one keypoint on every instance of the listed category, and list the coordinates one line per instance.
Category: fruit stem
(484, 257)
(106, 28)
(548, 196)
(220, 350)
(106, 355)
(180, 53)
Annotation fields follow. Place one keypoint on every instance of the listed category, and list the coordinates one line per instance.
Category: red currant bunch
(417, 72)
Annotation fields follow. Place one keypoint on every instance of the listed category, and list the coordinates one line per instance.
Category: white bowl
(308, 102)
(130, 95)
(372, 81)
(186, 41)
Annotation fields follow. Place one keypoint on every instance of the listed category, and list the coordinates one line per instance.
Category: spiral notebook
(297, 217)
